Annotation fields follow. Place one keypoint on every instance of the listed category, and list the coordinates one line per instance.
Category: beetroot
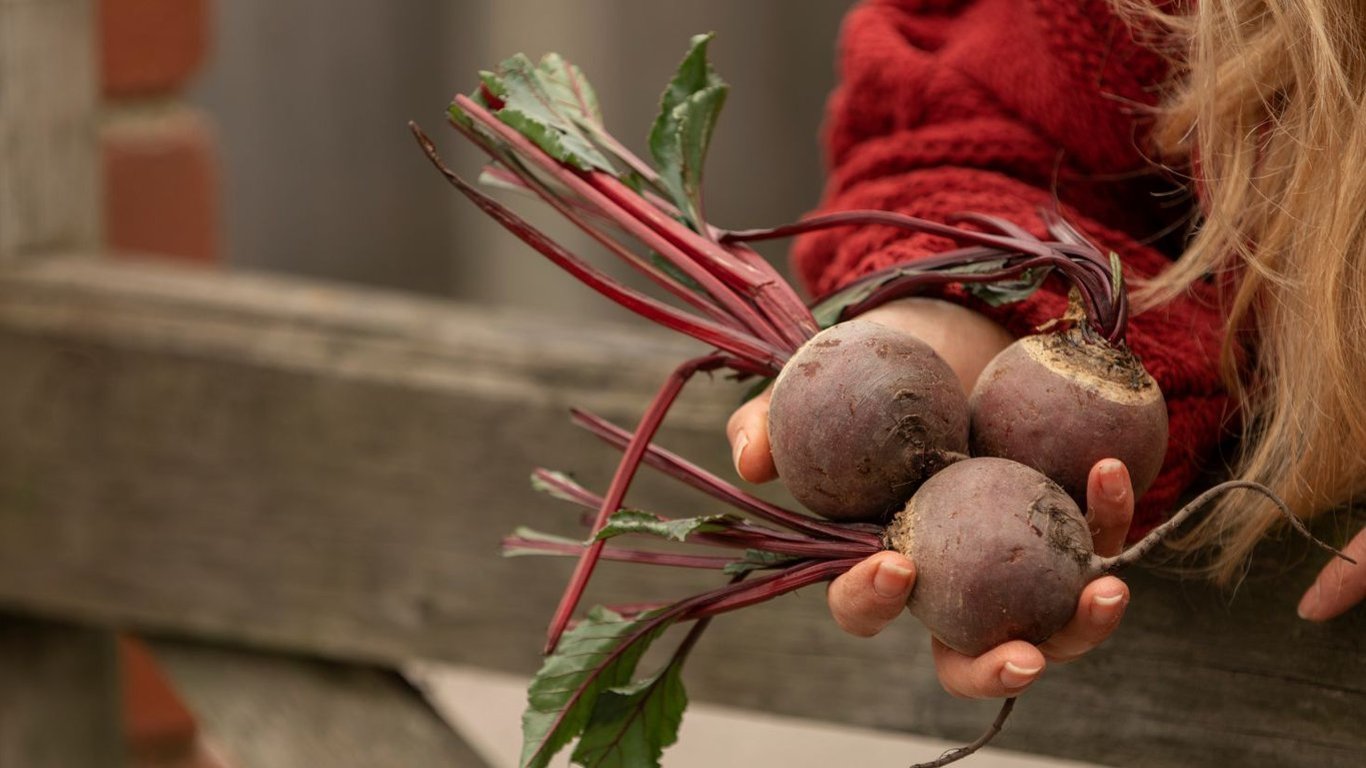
(1060, 402)
(1001, 554)
(860, 417)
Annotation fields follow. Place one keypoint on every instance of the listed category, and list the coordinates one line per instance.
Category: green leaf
(571, 92)
(540, 104)
(688, 110)
(636, 521)
(539, 484)
(531, 534)
(829, 310)
(1007, 292)
(597, 655)
(756, 559)
(632, 724)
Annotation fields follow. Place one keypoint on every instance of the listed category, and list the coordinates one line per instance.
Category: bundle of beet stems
(541, 127)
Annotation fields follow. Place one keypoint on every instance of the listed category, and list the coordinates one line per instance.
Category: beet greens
(540, 125)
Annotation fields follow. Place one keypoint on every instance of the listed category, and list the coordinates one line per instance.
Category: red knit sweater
(994, 106)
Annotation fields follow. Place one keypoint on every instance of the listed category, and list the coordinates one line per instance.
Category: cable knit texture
(1002, 107)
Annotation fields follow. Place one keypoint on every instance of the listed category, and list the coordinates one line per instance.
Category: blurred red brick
(157, 724)
(161, 184)
(149, 47)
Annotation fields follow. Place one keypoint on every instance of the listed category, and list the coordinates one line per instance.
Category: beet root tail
(958, 753)
(1104, 565)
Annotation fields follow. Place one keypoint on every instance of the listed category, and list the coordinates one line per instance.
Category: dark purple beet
(861, 416)
(1001, 554)
(1060, 402)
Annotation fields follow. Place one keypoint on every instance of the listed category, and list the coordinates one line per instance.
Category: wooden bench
(283, 464)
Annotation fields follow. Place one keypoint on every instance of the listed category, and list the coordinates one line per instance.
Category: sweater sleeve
(1003, 107)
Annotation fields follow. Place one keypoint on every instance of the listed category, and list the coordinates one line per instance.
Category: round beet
(861, 415)
(1060, 402)
(1001, 553)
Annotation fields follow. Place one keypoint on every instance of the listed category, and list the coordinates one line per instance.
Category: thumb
(872, 593)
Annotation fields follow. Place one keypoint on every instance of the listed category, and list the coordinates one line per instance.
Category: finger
(1339, 586)
(747, 431)
(1098, 613)
(1005, 670)
(868, 596)
(1109, 505)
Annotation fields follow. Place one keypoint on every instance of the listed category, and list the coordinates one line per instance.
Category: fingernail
(1112, 481)
(1309, 607)
(1014, 676)
(1106, 609)
(737, 451)
(891, 579)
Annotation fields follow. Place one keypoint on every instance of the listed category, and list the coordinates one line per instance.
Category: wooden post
(58, 682)
(48, 166)
(58, 703)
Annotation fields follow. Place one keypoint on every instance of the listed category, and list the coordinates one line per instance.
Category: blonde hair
(1268, 104)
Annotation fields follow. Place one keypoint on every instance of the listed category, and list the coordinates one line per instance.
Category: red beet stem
(757, 284)
(620, 554)
(1081, 262)
(743, 534)
(733, 341)
(783, 297)
(821, 549)
(693, 475)
(626, 209)
(564, 486)
(577, 494)
(621, 481)
(582, 216)
(761, 590)
(713, 294)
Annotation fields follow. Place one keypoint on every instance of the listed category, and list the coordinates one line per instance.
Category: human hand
(873, 593)
(965, 339)
(1339, 586)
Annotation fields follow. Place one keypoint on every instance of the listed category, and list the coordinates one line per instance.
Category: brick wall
(161, 181)
(160, 197)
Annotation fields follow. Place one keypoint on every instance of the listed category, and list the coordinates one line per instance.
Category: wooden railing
(285, 464)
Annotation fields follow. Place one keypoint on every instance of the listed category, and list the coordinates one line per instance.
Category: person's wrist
(967, 340)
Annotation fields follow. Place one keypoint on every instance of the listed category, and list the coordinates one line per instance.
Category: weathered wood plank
(48, 165)
(59, 704)
(272, 711)
(308, 461)
(329, 470)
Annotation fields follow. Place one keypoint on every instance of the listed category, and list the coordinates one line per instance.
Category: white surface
(485, 708)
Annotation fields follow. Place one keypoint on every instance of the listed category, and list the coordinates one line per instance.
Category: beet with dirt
(1001, 554)
(861, 416)
(1060, 402)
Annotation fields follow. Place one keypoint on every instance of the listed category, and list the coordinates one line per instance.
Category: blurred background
(319, 176)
